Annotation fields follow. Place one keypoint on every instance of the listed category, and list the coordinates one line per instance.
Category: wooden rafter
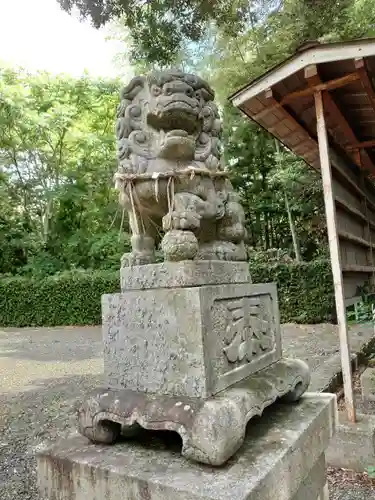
(309, 91)
(313, 79)
(272, 100)
(330, 85)
(361, 145)
(360, 66)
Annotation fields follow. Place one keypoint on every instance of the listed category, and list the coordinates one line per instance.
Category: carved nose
(178, 87)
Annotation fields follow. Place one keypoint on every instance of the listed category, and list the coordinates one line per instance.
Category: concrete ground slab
(318, 345)
(353, 444)
(44, 370)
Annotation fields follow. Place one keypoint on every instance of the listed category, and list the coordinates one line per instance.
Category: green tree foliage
(59, 210)
(160, 27)
(57, 158)
(57, 151)
(271, 184)
(305, 289)
(279, 191)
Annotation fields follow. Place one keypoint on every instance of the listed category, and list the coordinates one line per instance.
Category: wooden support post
(334, 248)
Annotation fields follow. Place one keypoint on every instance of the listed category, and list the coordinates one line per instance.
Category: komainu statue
(192, 347)
(170, 176)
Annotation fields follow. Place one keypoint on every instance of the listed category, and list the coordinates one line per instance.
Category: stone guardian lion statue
(169, 174)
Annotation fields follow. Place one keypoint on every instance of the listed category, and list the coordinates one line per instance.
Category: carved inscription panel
(245, 334)
(250, 329)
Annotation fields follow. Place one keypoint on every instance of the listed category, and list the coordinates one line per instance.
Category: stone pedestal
(283, 458)
(190, 341)
(192, 347)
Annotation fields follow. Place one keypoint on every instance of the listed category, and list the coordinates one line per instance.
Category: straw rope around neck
(128, 180)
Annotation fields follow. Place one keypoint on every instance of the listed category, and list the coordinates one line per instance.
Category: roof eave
(316, 55)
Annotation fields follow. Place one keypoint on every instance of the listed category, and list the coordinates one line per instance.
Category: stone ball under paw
(179, 245)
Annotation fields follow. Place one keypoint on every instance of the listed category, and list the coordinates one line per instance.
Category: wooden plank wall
(355, 208)
(355, 199)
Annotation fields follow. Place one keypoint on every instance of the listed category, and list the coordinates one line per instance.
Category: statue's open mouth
(176, 143)
(176, 115)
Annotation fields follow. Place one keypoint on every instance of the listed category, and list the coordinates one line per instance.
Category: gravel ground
(351, 493)
(43, 372)
(348, 485)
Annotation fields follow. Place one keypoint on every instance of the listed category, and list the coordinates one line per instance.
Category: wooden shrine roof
(282, 101)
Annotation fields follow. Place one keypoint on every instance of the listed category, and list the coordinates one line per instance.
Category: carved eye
(135, 111)
(206, 95)
(155, 90)
(190, 92)
(190, 79)
(168, 91)
(140, 137)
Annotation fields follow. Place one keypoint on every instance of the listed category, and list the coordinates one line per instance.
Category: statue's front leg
(231, 231)
(180, 224)
(142, 242)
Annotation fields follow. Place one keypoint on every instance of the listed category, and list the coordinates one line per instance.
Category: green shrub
(69, 298)
(73, 298)
(305, 289)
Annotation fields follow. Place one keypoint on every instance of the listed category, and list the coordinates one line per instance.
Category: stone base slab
(212, 430)
(184, 274)
(353, 446)
(282, 458)
(368, 384)
(313, 486)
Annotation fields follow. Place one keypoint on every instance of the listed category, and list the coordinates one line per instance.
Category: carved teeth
(177, 133)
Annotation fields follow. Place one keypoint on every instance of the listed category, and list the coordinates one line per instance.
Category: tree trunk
(46, 220)
(266, 230)
(292, 226)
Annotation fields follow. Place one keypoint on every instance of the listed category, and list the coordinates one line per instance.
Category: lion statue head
(167, 120)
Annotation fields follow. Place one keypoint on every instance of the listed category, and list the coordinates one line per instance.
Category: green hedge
(305, 295)
(305, 290)
(64, 299)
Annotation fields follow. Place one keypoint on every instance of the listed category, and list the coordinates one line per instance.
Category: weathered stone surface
(170, 175)
(312, 487)
(368, 384)
(324, 495)
(189, 341)
(275, 462)
(188, 273)
(212, 430)
(353, 446)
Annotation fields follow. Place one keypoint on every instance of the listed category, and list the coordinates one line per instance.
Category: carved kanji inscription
(249, 328)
